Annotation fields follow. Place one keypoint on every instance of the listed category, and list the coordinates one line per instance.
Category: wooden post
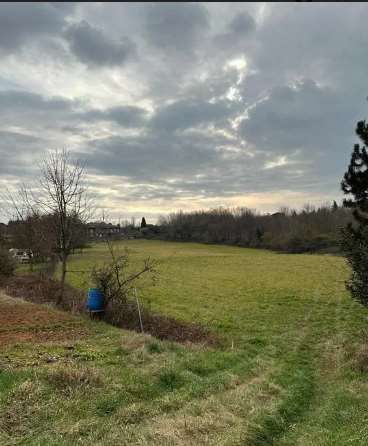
(139, 310)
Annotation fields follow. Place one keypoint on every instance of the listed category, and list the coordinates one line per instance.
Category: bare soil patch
(24, 322)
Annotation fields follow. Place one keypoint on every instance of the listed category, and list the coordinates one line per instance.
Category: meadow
(292, 368)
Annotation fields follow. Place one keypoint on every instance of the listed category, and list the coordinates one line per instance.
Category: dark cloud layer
(126, 116)
(20, 101)
(290, 118)
(189, 113)
(20, 23)
(94, 48)
(176, 27)
(22, 106)
(237, 34)
(152, 156)
(17, 150)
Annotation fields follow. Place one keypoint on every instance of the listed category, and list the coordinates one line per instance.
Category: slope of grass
(287, 374)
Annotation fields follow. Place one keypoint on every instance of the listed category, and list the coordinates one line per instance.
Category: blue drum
(95, 301)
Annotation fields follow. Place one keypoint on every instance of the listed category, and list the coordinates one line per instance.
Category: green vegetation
(292, 369)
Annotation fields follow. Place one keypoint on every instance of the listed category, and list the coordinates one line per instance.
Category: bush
(116, 281)
(7, 264)
(299, 245)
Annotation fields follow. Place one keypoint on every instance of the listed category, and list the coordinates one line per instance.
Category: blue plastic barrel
(95, 301)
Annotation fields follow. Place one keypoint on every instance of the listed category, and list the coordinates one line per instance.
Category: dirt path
(22, 321)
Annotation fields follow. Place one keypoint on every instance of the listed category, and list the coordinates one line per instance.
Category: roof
(102, 225)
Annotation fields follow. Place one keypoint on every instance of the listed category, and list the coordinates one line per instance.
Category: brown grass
(66, 378)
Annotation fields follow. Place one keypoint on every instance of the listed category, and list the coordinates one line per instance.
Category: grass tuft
(67, 378)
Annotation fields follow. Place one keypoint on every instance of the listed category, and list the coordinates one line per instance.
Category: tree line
(308, 230)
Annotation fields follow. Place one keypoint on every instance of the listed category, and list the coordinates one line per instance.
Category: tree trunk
(63, 275)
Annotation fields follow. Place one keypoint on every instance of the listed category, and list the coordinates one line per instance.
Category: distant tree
(355, 237)
(7, 264)
(335, 206)
(32, 233)
(23, 226)
(143, 223)
(259, 235)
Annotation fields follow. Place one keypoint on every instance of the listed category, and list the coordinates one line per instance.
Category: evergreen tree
(335, 206)
(355, 237)
(143, 223)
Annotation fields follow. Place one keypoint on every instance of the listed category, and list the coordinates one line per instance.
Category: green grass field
(290, 372)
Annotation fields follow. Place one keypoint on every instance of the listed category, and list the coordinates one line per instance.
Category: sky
(185, 105)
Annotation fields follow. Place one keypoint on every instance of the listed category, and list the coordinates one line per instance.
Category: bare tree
(62, 195)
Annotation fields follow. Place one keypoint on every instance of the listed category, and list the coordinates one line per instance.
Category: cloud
(23, 108)
(176, 27)
(150, 156)
(242, 24)
(303, 116)
(191, 113)
(20, 101)
(17, 152)
(35, 114)
(237, 34)
(218, 102)
(22, 22)
(67, 7)
(94, 47)
(126, 116)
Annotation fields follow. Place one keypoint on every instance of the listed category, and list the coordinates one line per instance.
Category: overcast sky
(185, 105)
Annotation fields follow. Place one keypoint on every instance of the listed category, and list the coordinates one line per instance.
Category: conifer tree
(355, 236)
(143, 223)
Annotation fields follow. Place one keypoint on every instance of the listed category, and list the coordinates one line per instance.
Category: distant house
(278, 214)
(99, 230)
